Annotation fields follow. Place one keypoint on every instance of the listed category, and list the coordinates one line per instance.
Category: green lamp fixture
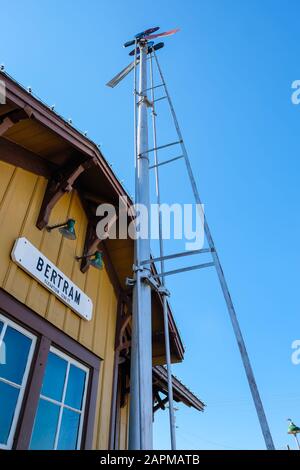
(95, 260)
(292, 428)
(67, 229)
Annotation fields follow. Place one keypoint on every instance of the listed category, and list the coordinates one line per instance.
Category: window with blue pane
(16, 351)
(59, 418)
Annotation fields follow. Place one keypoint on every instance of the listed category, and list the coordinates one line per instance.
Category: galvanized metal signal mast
(141, 416)
(141, 406)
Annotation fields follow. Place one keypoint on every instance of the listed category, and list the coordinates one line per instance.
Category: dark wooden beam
(123, 368)
(62, 182)
(115, 385)
(5, 125)
(125, 345)
(20, 157)
(97, 200)
(91, 242)
(180, 392)
(160, 402)
(26, 421)
(13, 117)
(120, 330)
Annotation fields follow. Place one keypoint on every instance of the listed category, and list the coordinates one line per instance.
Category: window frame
(61, 404)
(49, 336)
(7, 322)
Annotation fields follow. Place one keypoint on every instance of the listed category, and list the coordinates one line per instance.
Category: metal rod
(121, 75)
(134, 441)
(183, 270)
(161, 249)
(231, 310)
(176, 255)
(52, 227)
(84, 257)
(159, 99)
(297, 441)
(166, 162)
(135, 107)
(161, 147)
(153, 87)
(141, 350)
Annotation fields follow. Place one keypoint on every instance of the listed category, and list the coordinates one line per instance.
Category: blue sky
(229, 71)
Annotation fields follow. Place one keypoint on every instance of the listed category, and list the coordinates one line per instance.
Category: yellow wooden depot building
(65, 379)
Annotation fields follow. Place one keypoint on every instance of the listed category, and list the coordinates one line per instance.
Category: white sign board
(29, 258)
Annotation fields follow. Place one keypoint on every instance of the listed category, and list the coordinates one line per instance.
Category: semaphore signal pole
(141, 409)
(141, 401)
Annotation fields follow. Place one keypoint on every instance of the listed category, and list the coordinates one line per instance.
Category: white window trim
(61, 403)
(7, 322)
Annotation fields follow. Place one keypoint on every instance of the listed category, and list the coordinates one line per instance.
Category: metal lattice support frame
(231, 310)
(140, 421)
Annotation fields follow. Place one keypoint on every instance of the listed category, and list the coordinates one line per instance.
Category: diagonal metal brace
(177, 255)
(162, 147)
(183, 270)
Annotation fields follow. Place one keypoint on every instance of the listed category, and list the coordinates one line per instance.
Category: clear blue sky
(230, 71)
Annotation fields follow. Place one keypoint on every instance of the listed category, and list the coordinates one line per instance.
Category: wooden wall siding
(21, 193)
(102, 424)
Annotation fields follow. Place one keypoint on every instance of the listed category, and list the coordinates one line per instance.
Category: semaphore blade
(119, 77)
(156, 47)
(160, 35)
(129, 43)
(151, 30)
(146, 32)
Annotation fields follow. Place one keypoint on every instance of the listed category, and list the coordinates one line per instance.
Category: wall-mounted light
(66, 229)
(95, 260)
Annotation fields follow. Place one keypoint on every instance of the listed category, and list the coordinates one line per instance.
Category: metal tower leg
(231, 310)
(162, 264)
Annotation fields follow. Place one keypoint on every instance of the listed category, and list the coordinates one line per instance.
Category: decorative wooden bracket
(12, 117)
(91, 242)
(60, 183)
(160, 402)
(91, 239)
(122, 323)
(125, 346)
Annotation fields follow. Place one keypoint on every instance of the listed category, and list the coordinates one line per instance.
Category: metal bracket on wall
(164, 291)
(129, 282)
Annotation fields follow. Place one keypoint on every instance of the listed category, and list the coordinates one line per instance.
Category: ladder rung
(166, 162)
(176, 255)
(159, 99)
(153, 87)
(161, 147)
(183, 270)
